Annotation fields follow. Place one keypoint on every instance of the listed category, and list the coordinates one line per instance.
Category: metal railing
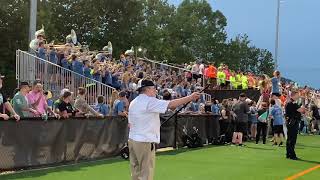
(180, 71)
(55, 78)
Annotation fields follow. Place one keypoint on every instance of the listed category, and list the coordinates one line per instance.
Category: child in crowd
(101, 106)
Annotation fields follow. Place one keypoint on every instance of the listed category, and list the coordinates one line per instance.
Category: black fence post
(175, 131)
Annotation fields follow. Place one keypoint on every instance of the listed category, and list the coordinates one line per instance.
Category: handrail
(55, 78)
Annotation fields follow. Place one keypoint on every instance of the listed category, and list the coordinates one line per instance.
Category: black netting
(33, 143)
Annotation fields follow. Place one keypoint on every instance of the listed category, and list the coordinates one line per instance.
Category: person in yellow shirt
(233, 82)
(244, 81)
(221, 80)
(239, 80)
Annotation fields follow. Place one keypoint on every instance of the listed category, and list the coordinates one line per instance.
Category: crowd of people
(239, 119)
(282, 112)
(124, 73)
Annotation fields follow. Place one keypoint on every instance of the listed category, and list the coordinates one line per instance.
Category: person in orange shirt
(251, 80)
(212, 74)
(283, 99)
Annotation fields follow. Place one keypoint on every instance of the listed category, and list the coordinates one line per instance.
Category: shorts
(241, 127)
(278, 129)
(195, 76)
(227, 84)
(212, 81)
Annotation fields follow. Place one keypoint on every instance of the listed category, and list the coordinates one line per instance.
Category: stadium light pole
(277, 34)
(33, 19)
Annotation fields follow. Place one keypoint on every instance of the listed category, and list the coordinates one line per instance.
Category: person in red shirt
(228, 74)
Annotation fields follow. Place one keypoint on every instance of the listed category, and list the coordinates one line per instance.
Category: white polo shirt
(144, 118)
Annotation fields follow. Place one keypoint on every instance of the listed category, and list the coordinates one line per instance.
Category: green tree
(241, 55)
(14, 27)
(152, 32)
(177, 34)
(196, 30)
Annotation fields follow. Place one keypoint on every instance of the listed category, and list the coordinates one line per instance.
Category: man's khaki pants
(142, 160)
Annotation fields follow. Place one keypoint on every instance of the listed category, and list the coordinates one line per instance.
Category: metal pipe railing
(180, 71)
(55, 78)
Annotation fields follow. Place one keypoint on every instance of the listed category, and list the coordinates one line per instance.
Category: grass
(253, 162)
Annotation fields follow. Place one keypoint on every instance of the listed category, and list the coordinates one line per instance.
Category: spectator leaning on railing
(64, 107)
(37, 100)
(82, 105)
(119, 105)
(20, 103)
(101, 106)
(5, 105)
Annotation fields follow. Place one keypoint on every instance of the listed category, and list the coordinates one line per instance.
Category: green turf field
(253, 162)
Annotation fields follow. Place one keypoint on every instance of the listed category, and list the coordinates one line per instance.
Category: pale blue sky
(299, 32)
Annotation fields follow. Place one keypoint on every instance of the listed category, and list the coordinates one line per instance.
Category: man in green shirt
(20, 103)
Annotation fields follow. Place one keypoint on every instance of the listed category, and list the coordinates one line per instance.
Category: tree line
(176, 34)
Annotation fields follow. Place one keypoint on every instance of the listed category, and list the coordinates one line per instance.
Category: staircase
(55, 78)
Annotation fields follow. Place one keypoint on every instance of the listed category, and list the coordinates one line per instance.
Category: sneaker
(281, 144)
(274, 144)
(295, 158)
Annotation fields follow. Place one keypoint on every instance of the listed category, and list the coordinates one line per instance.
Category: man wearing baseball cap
(5, 105)
(20, 103)
(144, 123)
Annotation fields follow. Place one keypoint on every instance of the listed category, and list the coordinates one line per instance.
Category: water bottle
(44, 117)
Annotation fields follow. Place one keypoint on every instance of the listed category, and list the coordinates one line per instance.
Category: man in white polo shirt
(144, 133)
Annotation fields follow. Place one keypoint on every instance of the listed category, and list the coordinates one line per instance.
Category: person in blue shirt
(97, 75)
(179, 89)
(108, 77)
(195, 106)
(50, 101)
(77, 66)
(277, 114)
(276, 84)
(115, 81)
(65, 63)
(87, 69)
(215, 122)
(215, 108)
(119, 105)
(125, 60)
(53, 57)
(42, 53)
(101, 107)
